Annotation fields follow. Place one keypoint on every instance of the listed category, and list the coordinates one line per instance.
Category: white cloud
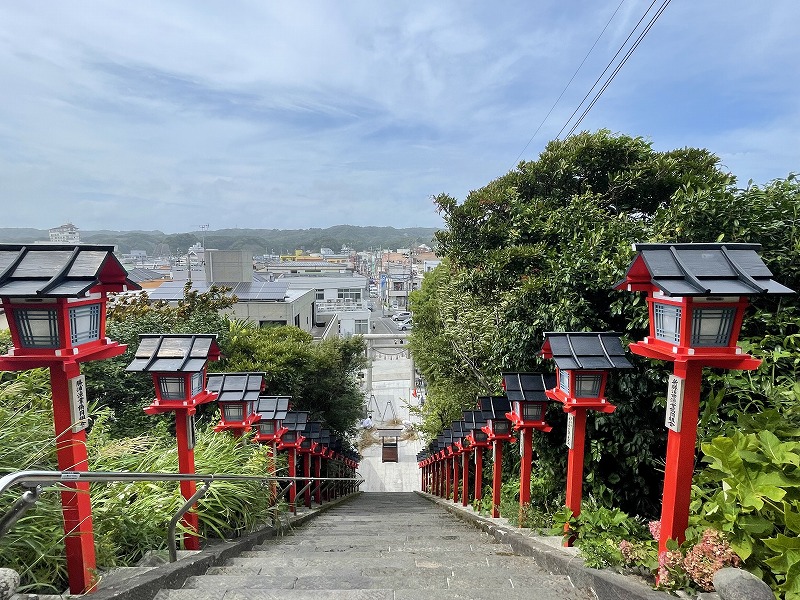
(121, 115)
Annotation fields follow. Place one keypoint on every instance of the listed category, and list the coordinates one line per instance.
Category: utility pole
(204, 228)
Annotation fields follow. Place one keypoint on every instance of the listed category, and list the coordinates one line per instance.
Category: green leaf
(791, 517)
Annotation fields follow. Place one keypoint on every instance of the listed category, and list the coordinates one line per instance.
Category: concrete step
(379, 546)
(264, 594)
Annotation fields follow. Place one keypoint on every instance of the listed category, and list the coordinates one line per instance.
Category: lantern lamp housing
(583, 360)
(480, 436)
(55, 300)
(237, 394)
(270, 412)
(499, 426)
(177, 363)
(697, 295)
(527, 393)
(494, 410)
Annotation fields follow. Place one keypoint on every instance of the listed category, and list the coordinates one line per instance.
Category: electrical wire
(611, 77)
(566, 87)
(608, 66)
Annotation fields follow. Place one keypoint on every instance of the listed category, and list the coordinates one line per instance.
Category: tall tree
(538, 250)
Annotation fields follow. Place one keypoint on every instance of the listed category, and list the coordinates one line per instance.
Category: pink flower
(707, 557)
(655, 529)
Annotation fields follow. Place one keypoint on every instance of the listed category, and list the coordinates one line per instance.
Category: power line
(608, 66)
(549, 112)
(649, 26)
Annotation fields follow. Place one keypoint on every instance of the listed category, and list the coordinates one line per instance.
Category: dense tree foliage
(540, 248)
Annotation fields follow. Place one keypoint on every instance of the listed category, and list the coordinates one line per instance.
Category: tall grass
(130, 519)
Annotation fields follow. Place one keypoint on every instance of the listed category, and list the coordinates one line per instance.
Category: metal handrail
(36, 479)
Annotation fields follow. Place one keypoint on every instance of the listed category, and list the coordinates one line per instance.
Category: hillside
(257, 241)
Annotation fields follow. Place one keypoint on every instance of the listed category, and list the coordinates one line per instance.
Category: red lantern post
(290, 441)
(177, 363)
(696, 296)
(583, 360)
(55, 299)
(526, 392)
(497, 430)
(478, 440)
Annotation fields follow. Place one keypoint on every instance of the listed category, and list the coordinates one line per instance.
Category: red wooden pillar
(478, 472)
(186, 466)
(447, 473)
(318, 475)
(293, 485)
(465, 477)
(76, 505)
(497, 474)
(456, 479)
(307, 475)
(525, 466)
(681, 458)
(575, 466)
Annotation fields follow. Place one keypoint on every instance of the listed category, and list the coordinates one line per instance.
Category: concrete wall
(229, 266)
(294, 311)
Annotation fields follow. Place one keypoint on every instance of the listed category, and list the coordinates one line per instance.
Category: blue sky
(170, 115)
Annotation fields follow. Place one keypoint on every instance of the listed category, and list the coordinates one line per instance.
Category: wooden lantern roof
(585, 350)
(325, 436)
(473, 419)
(174, 353)
(296, 420)
(236, 387)
(312, 430)
(527, 387)
(494, 407)
(273, 408)
(60, 271)
(700, 270)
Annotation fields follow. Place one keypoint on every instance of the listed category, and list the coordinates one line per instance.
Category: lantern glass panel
(712, 326)
(37, 328)
(306, 443)
(533, 411)
(84, 323)
(563, 381)
(266, 427)
(501, 426)
(289, 436)
(480, 436)
(667, 322)
(233, 411)
(197, 383)
(172, 388)
(587, 386)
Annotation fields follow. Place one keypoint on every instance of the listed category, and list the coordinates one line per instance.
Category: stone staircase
(380, 546)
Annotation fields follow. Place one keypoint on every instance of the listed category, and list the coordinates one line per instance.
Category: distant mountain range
(257, 241)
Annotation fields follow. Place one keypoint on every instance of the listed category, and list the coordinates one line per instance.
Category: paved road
(393, 546)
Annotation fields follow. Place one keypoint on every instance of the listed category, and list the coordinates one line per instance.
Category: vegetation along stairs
(381, 546)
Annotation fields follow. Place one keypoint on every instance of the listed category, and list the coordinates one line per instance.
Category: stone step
(373, 594)
(354, 579)
(263, 594)
(273, 565)
(120, 574)
(379, 546)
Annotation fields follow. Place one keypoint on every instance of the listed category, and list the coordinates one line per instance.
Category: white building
(65, 234)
